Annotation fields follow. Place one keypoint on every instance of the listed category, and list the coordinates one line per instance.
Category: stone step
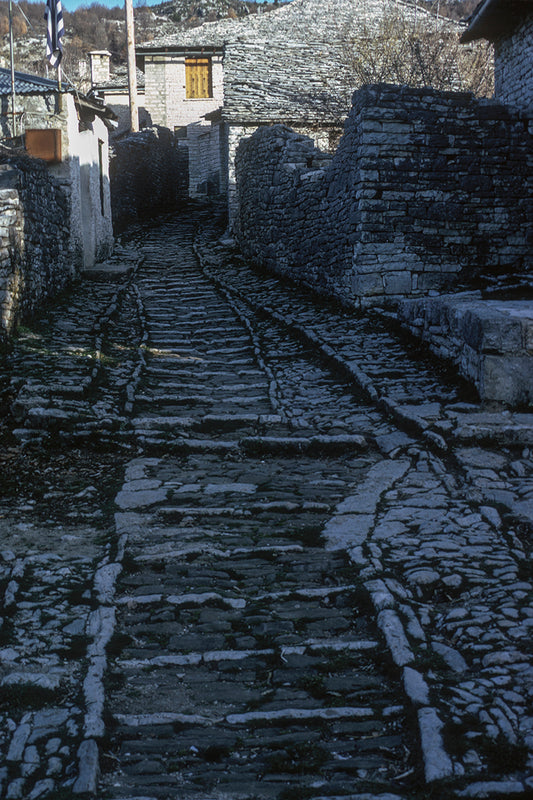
(162, 423)
(199, 399)
(252, 509)
(221, 657)
(181, 386)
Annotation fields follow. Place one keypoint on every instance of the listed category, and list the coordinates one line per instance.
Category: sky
(72, 5)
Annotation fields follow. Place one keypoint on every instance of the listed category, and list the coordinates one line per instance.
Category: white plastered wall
(85, 173)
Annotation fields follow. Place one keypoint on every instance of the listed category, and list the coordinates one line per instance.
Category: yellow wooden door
(198, 77)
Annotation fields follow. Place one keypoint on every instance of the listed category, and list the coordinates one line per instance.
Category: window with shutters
(198, 81)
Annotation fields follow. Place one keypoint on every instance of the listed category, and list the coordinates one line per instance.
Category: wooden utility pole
(132, 74)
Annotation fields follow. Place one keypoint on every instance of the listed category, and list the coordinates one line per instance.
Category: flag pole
(12, 63)
(59, 95)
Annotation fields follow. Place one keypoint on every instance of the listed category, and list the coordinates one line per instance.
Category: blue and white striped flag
(54, 31)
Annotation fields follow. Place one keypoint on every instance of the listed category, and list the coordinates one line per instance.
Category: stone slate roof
(308, 18)
(283, 66)
(210, 34)
(27, 84)
(119, 81)
(495, 18)
(295, 70)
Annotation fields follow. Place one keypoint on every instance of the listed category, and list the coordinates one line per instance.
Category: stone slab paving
(423, 396)
(73, 366)
(54, 540)
(247, 665)
(61, 390)
(316, 582)
(245, 662)
(432, 566)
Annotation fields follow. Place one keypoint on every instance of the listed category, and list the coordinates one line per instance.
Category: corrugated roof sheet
(26, 84)
(34, 84)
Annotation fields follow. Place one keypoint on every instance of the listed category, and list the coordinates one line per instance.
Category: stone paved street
(254, 546)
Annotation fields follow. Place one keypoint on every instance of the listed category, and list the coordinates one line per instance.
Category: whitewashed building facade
(70, 133)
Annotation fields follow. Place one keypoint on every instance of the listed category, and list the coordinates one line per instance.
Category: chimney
(99, 66)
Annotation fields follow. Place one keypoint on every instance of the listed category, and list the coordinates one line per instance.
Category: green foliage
(216, 753)
(314, 685)
(118, 642)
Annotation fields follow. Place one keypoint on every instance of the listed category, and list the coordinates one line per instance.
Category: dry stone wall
(426, 190)
(148, 173)
(283, 218)
(35, 255)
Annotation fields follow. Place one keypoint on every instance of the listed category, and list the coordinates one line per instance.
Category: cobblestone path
(278, 553)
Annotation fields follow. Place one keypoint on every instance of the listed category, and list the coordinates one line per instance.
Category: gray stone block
(490, 341)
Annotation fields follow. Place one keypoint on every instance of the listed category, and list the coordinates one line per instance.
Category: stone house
(285, 66)
(176, 88)
(70, 133)
(509, 26)
(184, 83)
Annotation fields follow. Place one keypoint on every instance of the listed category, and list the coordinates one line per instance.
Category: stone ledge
(491, 341)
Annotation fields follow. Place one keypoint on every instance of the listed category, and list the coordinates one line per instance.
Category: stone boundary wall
(426, 190)
(148, 174)
(35, 255)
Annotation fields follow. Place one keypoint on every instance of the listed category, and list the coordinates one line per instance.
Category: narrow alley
(254, 546)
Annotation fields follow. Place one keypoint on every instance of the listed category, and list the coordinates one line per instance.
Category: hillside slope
(97, 27)
(100, 28)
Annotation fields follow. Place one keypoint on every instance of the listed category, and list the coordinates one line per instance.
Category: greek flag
(54, 31)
